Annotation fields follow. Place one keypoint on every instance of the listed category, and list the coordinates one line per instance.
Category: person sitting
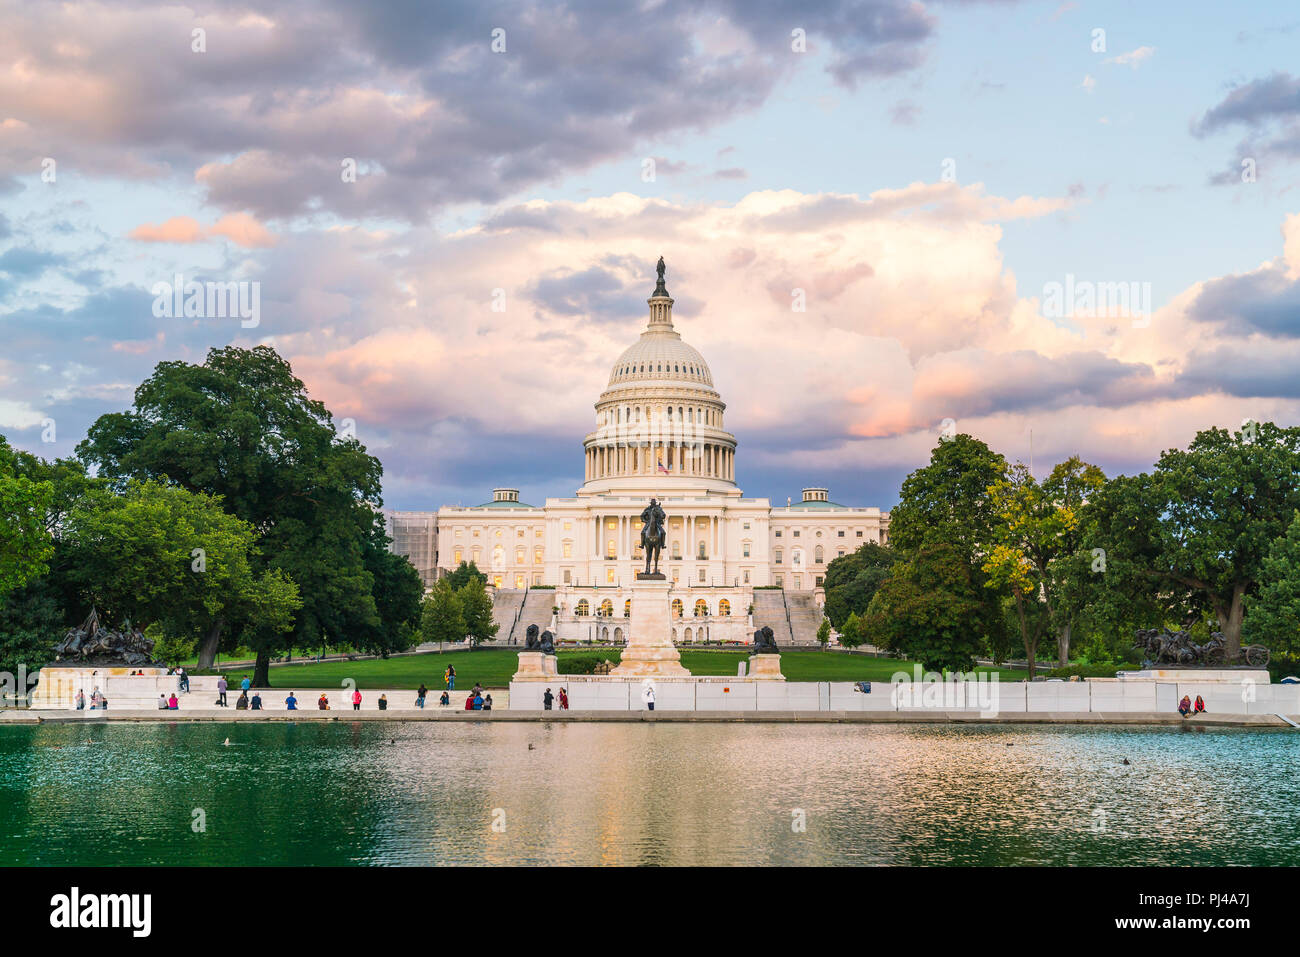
(445, 700)
(172, 703)
(162, 702)
(324, 703)
(1185, 706)
(469, 703)
(256, 703)
(487, 702)
(1199, 707)
(478, 702)
(241, 703)
(291, 702)
(383, 702)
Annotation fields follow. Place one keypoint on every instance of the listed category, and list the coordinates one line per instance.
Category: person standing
(245, 684)
(648, 696)
(81, 699)
(451, 677)
(547, 699)
(419, 695)
(356, 700)
(564, 700)
(183, 681)
(221, 691)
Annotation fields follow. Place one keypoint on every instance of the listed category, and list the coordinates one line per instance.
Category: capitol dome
(659, 420)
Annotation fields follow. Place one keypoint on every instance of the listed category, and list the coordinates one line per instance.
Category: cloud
(1268, 110)
(240, 228)
(413, 93)
(1133, 58)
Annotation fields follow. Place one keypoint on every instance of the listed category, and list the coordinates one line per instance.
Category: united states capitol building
(735, 563)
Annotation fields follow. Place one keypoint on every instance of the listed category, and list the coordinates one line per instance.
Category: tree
(1273, 614)
(1036, 546)
(31, 624)
(477, 608)
(157, 553)
(930, 610)
(242, 427)
(25, 543)
(851, 633)
(398, 592)
(1205, 518)
(463, 574)
(852, 580)
(442, 618)
(824, 633)
(947, 503)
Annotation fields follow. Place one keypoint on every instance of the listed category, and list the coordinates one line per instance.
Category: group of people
(168, 704)
(476, 701)
(548, 700)
(97, 700)
(1186, 707)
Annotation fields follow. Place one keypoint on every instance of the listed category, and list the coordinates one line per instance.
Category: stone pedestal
(650, 651)
(536, 665)
(765, 667)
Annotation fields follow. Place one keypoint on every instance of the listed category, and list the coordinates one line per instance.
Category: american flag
(662, 468)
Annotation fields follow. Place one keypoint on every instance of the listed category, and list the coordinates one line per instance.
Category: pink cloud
(240, 228)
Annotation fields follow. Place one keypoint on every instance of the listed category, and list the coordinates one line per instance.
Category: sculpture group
(765, 641)
(1177, 648)
(545, 642)
(93, 642)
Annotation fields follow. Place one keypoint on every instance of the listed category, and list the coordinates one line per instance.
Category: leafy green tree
(157, 553)
(31, 624)
(851, 633)
(1204, 520)
(399, 594)
(1273, 614)
(442, 618)
(824, 633)
(25, 543)
(1036, 549)
(852, 580)
(241, 426)
(930, 610)
(948, 503)
(476, 604)
(463, 574)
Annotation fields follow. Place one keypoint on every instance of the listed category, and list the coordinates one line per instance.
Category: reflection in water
(344, 793)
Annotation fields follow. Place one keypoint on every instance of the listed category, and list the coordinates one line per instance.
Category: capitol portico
(660, 432)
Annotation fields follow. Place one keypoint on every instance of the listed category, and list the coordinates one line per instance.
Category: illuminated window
(582, 609)
(677, 608)
(607, 608)
(568, 549)
(627, 608)
(724, 608)
(609, 578)
(460, 556)
(701, 608)
(537, 555)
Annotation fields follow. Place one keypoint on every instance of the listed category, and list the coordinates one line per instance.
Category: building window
(780, 581)
(747, 526)
(819, 581)
(677, 549)
(746, 576)
(582, 610)
(460, 556)
(778, 556)
(568, 549)
(703, 553)
(568, 526)
(609, 549)
(778, 533)
(724, 608)
(859, 533)
(537, 555)
(519, 581)
(677, 608)
(627, 608)
(795, 533)
(840, 553)
(609, 577)
(607, 608)
(745, 549)
(567, 576)
(519, 556)
(701, 575)
(817, 557)
(701, 609)
(840, 533)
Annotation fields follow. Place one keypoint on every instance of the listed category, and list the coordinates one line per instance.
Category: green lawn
(494, 667)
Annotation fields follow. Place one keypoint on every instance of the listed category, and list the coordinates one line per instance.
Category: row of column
(612, 461)
(627, 536)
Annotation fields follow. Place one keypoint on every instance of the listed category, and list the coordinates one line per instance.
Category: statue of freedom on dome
(660, 288)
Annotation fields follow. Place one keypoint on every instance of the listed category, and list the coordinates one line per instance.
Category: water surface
(426, 793)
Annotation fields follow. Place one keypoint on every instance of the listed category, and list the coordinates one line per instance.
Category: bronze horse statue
(654, 534)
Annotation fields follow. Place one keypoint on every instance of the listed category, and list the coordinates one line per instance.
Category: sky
(1066, 228)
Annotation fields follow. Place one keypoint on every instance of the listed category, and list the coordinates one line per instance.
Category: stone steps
(769, 611)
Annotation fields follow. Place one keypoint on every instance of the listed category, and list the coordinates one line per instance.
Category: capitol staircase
(805, 616)
(770, 612)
